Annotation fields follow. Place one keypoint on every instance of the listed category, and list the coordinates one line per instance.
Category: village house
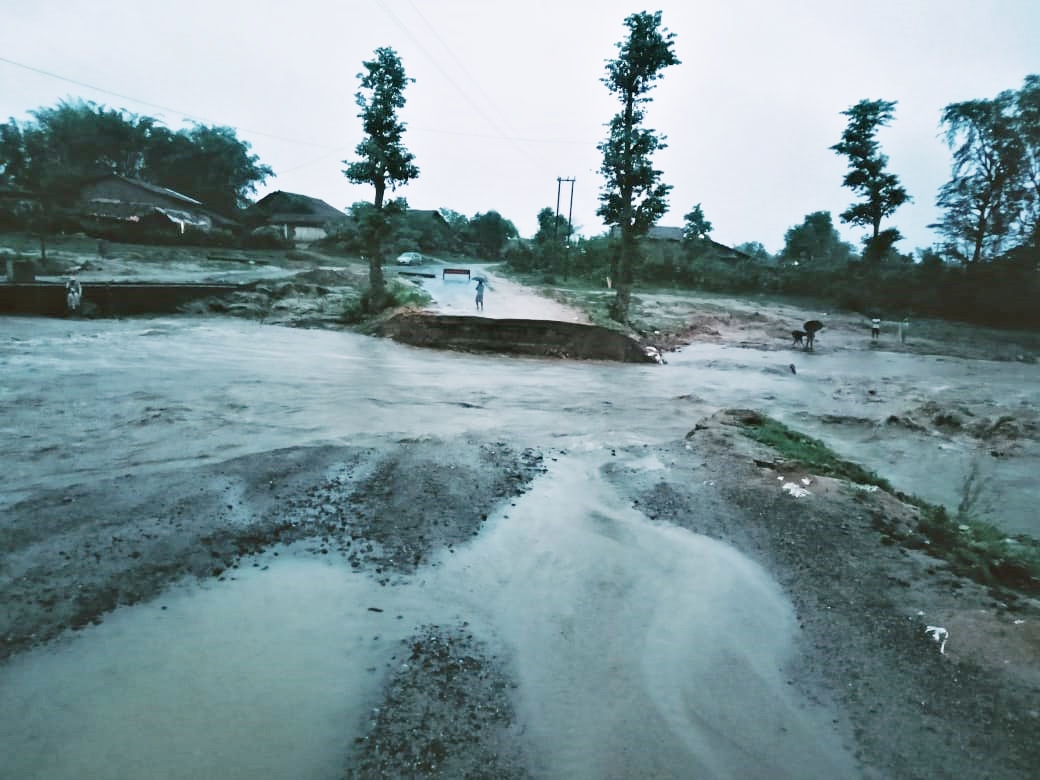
(675, 234)
(297, 218)
(133, 205)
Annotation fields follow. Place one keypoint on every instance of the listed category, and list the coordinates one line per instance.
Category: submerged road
(630, 640)
(86, 399)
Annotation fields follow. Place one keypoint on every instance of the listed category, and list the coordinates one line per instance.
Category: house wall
(304, 233)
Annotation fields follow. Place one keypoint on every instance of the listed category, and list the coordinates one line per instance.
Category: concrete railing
(107, 299)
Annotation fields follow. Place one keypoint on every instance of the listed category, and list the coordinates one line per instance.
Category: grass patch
(980, 550)
(811, 453)
(973, 548)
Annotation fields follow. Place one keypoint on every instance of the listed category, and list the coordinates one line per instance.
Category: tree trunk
(376, 282)
(623, 277)
(980, 237)
(619, 306)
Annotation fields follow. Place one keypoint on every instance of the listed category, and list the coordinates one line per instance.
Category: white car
(409, 258)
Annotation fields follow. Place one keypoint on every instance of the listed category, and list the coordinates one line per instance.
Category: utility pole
(559, 185)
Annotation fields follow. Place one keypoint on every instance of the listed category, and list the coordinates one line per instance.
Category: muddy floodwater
(637, 648)
(93, 398)
(630, 640)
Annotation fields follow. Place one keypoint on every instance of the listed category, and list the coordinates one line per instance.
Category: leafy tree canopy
(490, 232)
(66, 145)
(881, 192)
(815, 242)
(552, 227)
(384, 160)
(454, 218)
(697, 226)
(988, 193)
(209, 163)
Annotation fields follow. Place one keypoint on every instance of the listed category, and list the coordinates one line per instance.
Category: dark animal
(798, 335)
(811, 328)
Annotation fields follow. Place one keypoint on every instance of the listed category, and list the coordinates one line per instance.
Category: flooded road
(629, 639)
(503, 298)
(92, 398)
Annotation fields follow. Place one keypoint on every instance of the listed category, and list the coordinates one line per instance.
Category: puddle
(640, 649)
(265, 676)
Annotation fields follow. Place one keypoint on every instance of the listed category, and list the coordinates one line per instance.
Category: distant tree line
(444, 233)
(985, 268)
(53, 155)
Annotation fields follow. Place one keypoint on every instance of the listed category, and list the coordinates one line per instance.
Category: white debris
(795, 490)
(1018, 622)
(865, 488)
(780, 478)
(940, 635)
(806, 481)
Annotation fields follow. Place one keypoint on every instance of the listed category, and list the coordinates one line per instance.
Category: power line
(466, 96)
(462, 65)
(186, 114)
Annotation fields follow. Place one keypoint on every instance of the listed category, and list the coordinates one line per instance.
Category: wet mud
(72, 555)
(864, 604)
(447, 712)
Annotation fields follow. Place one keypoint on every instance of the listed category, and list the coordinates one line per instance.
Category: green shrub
(811, 453)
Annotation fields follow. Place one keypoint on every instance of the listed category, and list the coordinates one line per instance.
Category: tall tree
(208, 163)
(1027, 122)
(553, 228)
(815, 242)
(489, 233)
(881, 192)
(697, 226)
(984, 197)
(384, 158)
(633, 197)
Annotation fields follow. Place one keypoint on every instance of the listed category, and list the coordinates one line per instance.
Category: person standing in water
(480, 295)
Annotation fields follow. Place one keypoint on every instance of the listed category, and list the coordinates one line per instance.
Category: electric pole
(559, 186)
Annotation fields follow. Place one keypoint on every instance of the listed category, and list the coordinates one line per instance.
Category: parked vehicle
(409, 258)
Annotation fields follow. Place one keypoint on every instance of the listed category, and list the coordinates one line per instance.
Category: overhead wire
(185, 114)
(500, 133)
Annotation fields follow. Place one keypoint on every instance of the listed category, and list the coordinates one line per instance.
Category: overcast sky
(508, 96)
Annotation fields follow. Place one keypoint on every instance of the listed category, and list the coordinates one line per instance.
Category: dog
(798, 335)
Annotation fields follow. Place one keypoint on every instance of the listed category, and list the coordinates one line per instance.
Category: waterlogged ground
(507, 565)
(95, 397)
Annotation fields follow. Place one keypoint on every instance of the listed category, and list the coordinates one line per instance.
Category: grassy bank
(973, 548)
